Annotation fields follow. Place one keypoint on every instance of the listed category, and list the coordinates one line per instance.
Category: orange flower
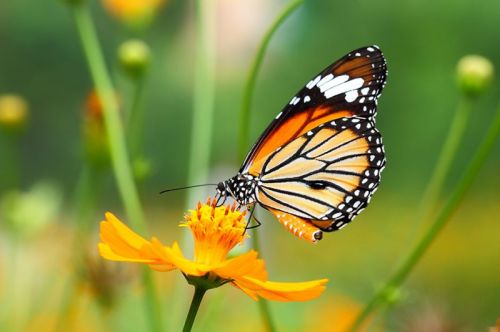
(216, 230)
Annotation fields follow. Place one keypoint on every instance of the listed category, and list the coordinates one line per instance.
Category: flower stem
(114, 128)
(117, 143)
(399, 276)
(252, 76)
(204, 96)
(245, 117)
(199, 291)
(135, 121)
(264, 309)
(444, 162)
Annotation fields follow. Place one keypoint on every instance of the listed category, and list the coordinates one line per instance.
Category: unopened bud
(13, 112)
(474, 73)
(134, 57)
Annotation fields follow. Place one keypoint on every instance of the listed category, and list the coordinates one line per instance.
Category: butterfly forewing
(349, 87)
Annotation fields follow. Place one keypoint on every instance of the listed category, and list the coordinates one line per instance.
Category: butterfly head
(240, 187)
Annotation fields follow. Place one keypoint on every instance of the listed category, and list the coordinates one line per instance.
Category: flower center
(216, 230)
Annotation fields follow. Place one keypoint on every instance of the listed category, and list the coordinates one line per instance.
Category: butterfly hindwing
(327, 175)
(349, 87)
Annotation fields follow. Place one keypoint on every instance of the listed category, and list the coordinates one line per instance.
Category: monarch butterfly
(319, 161)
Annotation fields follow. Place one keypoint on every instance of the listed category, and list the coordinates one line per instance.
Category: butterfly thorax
(241, 187)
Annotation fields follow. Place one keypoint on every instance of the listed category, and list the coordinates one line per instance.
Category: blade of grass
(252, 76)
(117, 144)
(263, 304)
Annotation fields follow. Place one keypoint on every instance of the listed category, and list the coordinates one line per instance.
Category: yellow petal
(124, 232)
(243, 265)
(282, 291)
(108, 253)
(187, 266)
(119, 243)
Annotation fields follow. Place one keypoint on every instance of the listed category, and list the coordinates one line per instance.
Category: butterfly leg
(252, 209)
(220, 200)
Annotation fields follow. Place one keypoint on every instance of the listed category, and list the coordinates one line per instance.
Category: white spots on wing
(370, 49)
(333, 82)
(337, 215)
(309, 133)
(307, 99)
(324, 80)
(356, 204)
(313, 82)
(295, 100)
(278, 116)
(344, 87)
(351, 96)
(357, 54)
(362, 100)
(365, 91)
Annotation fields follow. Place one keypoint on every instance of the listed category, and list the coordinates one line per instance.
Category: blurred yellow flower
(133, 11)
(216, 230)
(13, 112)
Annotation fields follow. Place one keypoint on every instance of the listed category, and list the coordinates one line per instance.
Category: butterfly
(318, 163)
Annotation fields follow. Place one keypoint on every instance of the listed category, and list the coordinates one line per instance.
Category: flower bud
(141, 168)
(13, 112)
(474, 73)
(134, 57)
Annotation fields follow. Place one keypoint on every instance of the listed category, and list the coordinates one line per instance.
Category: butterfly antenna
(180, 188)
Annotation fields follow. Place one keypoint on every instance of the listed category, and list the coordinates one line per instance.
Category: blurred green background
(457, 285)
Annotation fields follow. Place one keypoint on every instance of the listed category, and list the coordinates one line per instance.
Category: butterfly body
(319, 161)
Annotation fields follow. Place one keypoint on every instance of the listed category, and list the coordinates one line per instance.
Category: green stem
(118, 148)
(252, 76)
(204, 96)
(245, 117)
(135, 123)
(193, 309)
(114, 128)
(264, 309)
(399, 276)
(449, 150)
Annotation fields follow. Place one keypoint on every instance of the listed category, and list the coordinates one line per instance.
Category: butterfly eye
(318, 185)
(220, 187)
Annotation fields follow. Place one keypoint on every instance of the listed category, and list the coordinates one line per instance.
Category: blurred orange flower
(216, 230)
(335, 316)
(133, 11)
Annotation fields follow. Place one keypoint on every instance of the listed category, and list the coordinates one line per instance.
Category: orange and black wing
(347, 88)
(324, 177)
